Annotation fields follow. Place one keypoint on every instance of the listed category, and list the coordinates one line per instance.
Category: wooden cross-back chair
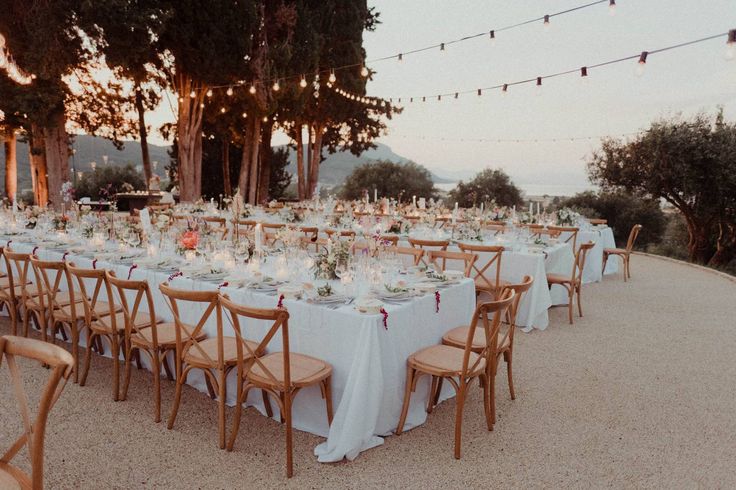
(269, 232)
(313, 242)
(573, 231)
(214, 356)
(63, 309)
(103, 319)
(159, 207)
(8, 296)
(61, 365)
(439, 259)
(495, 229)
(217, 224)
(281, 374)
(416, 254)
(460, 366)
(538, 231)
(390, 239)
(23, 294)
(428, 245)
(144, 332)
(340, 234)
(624, 253)
(597, 221)
(457, 337)
(574, 282)
(487, 279)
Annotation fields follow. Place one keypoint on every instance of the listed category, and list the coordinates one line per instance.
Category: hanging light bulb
(492, 36)
(546, 22)
(201, 105)
(456, 96)
(584, 74)
(505, 88)
(223, 110)
(181, 100)
(442, 46)
(332, 78)
(539, 85)
(245, 114)
(731, 45)
(303, 82)
(401, 57)
(276, 87)
(642, 63)
(209, 93)
(480, 92)
(229, 91)
(252, 89)
(364, 71)
(265, 118)
(192, 94)
(612, 8)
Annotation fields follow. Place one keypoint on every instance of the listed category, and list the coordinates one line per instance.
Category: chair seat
(615, 251)
(142, 320)
(194, 356)
(12, 478)
(102, 309)
(5, 283)
(482, 284)
(165, 335)
(304, 370)
(458, 336)
(444, 360)
(558, 279)
(62, 298)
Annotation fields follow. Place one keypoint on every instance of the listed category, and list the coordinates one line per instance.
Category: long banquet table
(369, 362)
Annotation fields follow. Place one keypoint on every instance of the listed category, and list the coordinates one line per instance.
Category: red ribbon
(130, 271)
(223, 285)
(34, 251)
(94, 264)
(175, 275)
(385, 318)
(63, 257)
(281, 302)
(436, 301)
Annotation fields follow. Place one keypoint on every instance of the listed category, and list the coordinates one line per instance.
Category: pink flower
(189, 240)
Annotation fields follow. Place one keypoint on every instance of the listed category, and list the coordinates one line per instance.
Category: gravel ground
(638, 393)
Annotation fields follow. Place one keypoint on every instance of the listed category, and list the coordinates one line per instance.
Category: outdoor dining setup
(323, 314)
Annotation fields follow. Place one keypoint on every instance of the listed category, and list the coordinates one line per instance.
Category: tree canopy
(395, 180)
(487, 186)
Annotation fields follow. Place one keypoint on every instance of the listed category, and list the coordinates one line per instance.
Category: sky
(613, 101)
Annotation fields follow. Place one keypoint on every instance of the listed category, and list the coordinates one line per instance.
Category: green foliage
(280, 179)
(489, 185)
(623, 211)
(119, 179)
(689, 163)
(394, 180)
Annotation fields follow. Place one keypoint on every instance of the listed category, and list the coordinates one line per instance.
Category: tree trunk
(300, 183)
(11, 164)
(143, 132)
(266, 153)
(189, 137)
(248, 178)
(56, 141)
(315, 160)
(725, 245)
(226, 185)
(39, 177)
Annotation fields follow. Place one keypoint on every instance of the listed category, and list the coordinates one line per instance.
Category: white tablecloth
(369, 362)
(603, 238)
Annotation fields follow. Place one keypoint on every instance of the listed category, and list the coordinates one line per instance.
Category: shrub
(489, 185)
(390, 179)
(120, 179)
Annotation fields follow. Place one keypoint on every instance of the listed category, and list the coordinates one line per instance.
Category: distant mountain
(338, 166)
(87, 149)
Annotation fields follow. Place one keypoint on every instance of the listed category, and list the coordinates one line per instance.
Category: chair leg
(156, 385)
(115, 345)
(236, 416)
(432, 390)
(459, 416)
(267, 404)
(605, 260)
(571, 297)
(509, 362)
(167, 369)
(492, 389)
(407, 399)
(126, 374)
(221, 406)
(289, 441)
(87, 357)
(484, 378)
(210, 389)
(328, 398)
(438, 391)
(580, 303)
(177, 400)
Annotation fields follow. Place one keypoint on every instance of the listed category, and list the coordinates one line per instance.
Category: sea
(538, 190)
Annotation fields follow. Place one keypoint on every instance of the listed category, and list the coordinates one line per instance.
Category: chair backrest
(336, 235)
(468, 259)
(210, 299)
(99, 279)
(308, 241)
(217, 224)
(598, 221)
(490, 327)
(50, 275)
(482, 269)
(274, 227)
(280, 319)
(141, 291)
(248, 224)
(519, 289)
(633, 234)
(429, 244)
(14, 278)
(415, 253)
(392, 239)
(499, 229)
(61, 365)
(573, 231)
(579, 265)
(491, 222)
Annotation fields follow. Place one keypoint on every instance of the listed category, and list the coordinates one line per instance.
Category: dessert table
(368, 360)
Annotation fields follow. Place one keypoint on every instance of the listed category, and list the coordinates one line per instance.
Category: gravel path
(640, 392)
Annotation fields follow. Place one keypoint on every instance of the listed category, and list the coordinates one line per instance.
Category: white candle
(259, 236)
(531, 208)
(375, 195)
(414, 200)
(455, 205)
(538, 208)
(481, 207)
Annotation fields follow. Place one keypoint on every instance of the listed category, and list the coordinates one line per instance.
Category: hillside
(334, 170)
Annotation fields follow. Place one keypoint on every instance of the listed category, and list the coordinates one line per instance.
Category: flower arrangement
(470, 230)
(162, 222)
(326, 261)
(325, 290)
(394, 227)
(289, 236)
(525, 218)
(245, 247)
(60, 222)
(67, 192)
(130, 233)
(287, 214)
(498, 213)
(566, 217)
(88, 223)
(189, 240)
(32, 214)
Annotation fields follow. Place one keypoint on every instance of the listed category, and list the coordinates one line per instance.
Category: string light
(731, 45)
(492, 35)
(364, 72)
(209, 93)
(245, 114)
(13, 70)
(442, 46)
(505, 88)
(332, 78)
(192, 94)
(642, 63)
(401, 56)
(539, 85)
(612, 7)
(546, 22)
(252, 89)
(584, 74)
(480, 92)
(229, 91)
(223, 110)
(303, 82)
(276, 87)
